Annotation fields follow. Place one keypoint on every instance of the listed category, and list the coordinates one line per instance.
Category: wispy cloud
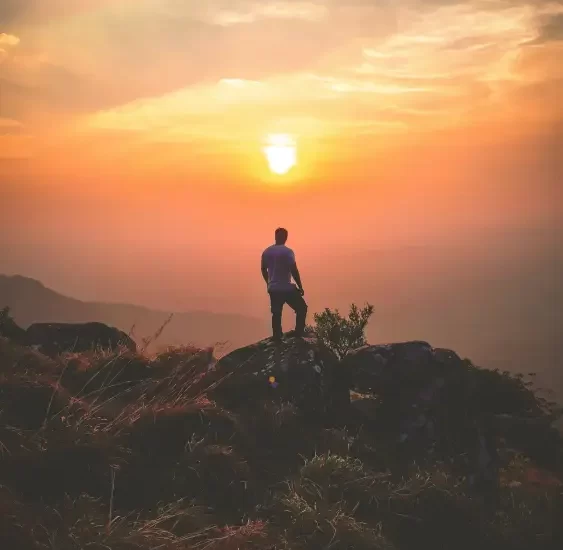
(255, 11)
(351, 86)
(8, 39)
(229, 70)
(550, 28)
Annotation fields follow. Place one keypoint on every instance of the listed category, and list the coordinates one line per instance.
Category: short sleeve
(291, 256)
(263, 260)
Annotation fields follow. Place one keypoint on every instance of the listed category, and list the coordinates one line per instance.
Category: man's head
(281, 235)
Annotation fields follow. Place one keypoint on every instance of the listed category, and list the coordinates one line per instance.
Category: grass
(123, 451)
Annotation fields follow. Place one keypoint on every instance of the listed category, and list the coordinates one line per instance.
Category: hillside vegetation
(122, 451)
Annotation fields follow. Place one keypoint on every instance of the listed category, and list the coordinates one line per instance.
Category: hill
(31, 302)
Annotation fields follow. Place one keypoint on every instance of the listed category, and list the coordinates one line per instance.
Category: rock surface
(299, 370)
(427, 400)
(55, 338)
(376, 369)
(407, 378)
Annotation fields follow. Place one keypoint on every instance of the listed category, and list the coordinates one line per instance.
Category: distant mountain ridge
(31, 301)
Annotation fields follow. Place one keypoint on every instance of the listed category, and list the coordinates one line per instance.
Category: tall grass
(121, 451)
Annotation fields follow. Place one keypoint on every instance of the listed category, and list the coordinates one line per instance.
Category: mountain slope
(31, 302)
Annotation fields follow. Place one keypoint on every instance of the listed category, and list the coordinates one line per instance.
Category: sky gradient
(131, 135)
(166, 84)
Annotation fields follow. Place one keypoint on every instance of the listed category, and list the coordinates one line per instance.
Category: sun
(281, 153)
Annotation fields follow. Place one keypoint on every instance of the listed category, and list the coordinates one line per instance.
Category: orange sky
(131, 131)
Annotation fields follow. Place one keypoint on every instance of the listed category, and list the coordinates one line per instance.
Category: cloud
(350, 86)
(311, 105)
(470, 43)
(550, 29)
(8, 39)
(131, 49)
(32, 87)
(119, 61)
(252, 12)
(462, 55)
(18, 12)
(195, 70)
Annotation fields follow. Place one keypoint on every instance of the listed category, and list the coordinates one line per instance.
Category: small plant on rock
(340, 334)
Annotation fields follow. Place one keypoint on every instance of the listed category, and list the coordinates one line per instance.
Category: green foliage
(340, 334)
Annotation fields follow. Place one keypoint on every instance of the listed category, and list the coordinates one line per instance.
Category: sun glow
(281, 153)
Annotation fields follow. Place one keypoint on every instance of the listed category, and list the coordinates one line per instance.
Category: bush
(9, 329)
(340, 334)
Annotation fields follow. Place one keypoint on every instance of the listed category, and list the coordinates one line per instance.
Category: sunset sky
(132, 135)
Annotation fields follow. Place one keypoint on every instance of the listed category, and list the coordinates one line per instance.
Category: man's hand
(297, 279)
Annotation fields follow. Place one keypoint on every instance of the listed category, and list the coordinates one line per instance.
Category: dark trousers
(296, 302)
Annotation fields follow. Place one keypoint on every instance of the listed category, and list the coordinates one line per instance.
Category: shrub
(340, 334)
(9, 329)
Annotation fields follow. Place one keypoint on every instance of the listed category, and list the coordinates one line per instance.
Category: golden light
(281, 153)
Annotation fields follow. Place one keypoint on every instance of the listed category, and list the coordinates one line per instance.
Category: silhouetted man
(278, 267)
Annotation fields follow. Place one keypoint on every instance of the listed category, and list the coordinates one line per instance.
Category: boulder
(55, 338)
(299, 370)
(375, 369)
(406, 378)
(425, 400)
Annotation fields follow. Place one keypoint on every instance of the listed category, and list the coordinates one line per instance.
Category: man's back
(279, 259)
(278, 268)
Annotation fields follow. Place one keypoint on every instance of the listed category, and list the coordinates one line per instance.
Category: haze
(429, 136)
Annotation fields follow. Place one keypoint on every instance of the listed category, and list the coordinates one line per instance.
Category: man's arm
(296, 277)
(264, 269)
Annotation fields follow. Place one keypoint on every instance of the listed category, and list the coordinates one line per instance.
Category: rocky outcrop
(427, 400)
(408, 379)
(378, 369)
(299, 370)
(55, 338)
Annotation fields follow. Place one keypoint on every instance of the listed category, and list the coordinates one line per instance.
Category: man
(278, 267)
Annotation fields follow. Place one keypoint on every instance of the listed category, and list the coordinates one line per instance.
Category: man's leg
(297, 303)
(276, 303)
